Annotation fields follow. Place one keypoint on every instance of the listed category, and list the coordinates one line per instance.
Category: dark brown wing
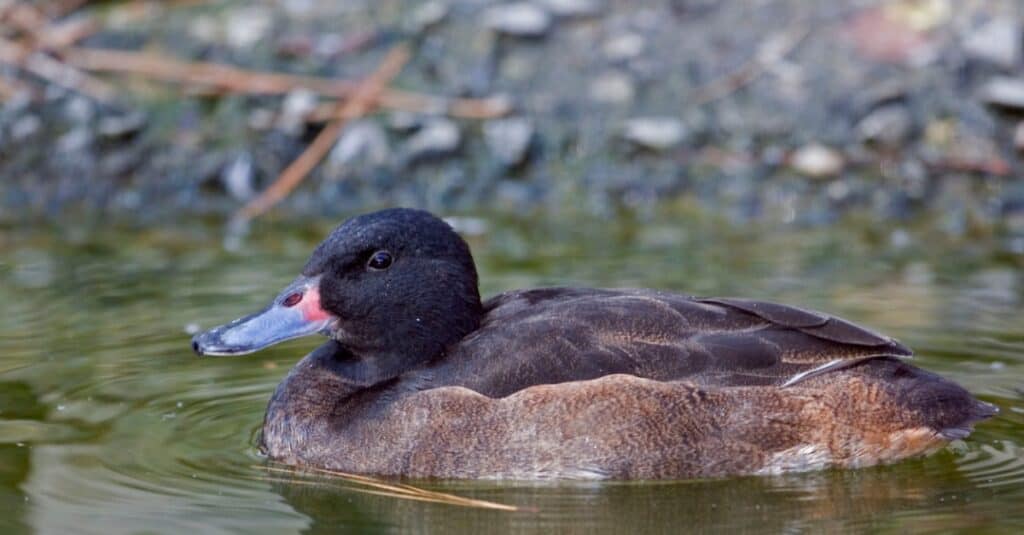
(555, 335)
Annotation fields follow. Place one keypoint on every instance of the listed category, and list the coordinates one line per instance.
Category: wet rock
(997, 42)
(1004, 92)
(520, 19)
(403, 122)
(437, 138)
(120, 126)
(573, 8)
(25, 127)
(623, 47)
(79, 110)
(75, 140)
(427, 15)
(654, 133)
(817, 161)
(888, 126)
(246, 27)
(237, 178)
(612, 87)
(509, 139)
(296, 107)
(362, 142)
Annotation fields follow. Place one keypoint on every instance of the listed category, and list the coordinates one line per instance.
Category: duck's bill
(295, 313)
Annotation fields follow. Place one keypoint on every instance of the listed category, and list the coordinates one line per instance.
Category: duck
(420, 378)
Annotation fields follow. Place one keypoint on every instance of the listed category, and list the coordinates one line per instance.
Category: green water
(109, 424)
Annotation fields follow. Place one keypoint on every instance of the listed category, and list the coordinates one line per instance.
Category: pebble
(817, 161)
(623, 47)
(237, 178)
(1005, 92)
(427, 15)
(362, 142)
(74, 140)
(118, 126)
(997, 42)
(573, 8)
(247, 26)
(888, 126)
(520, 19)
(297, 105)
(509, 139)
(438, 137)
(612, 87)
(655, 133)
(25, 127)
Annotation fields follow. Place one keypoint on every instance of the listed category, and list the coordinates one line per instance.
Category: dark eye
(379, 260)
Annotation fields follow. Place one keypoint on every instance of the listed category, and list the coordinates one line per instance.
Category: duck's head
(393, 287)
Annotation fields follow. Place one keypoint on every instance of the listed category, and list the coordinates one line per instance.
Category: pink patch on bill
(310, 306)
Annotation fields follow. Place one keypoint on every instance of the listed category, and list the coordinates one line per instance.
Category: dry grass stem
(398, 490)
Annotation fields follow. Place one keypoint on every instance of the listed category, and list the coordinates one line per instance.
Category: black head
(394, 287)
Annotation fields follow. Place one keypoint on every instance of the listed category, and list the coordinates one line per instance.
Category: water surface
(109, 424)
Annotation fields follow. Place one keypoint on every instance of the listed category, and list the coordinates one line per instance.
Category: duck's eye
(379, 260)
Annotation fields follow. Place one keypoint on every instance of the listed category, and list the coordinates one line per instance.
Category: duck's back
(556, 335)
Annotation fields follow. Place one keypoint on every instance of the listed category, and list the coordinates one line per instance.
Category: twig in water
(363, 99)
(403, 491)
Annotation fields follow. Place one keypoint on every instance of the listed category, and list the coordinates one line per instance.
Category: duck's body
(577, 383)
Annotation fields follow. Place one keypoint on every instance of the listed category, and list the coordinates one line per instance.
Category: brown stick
(769, 53)
(236, 80)
(363, 98)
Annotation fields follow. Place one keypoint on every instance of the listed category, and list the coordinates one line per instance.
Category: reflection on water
(108, 424)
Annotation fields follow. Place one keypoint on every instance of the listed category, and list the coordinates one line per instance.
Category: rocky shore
(780, 112)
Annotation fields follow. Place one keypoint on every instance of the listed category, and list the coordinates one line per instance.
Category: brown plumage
(420, 379)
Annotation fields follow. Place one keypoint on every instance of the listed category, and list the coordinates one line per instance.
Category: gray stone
(117, 126)
(509, 139)
(25, 127)
(817, 161)
(623, 47)
(1005, 92)
(74, 140)
(237, 178)
(655, 133)
(612, 87)
(521, 19)
(361, 142)
(427, 15)
(888, 126)
(997, 42)
(297, 105)
(247, 26)
(438, 137)
(573, 8)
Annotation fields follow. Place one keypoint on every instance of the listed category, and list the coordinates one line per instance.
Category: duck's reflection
(869, 498)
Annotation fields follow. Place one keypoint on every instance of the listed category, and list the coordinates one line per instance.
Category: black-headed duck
(422, 379)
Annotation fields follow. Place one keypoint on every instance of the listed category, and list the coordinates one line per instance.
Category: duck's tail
(876, 411)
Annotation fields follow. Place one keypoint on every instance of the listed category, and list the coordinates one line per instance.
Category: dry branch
(771, 51)
(232, 79)
(362, 100)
